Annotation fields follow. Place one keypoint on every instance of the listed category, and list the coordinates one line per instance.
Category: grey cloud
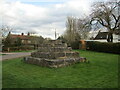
(43, 22)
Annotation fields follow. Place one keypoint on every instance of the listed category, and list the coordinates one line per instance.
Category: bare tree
(106, 14)
(83, 27)
(76, 28)
(71, 33)
(4, 30)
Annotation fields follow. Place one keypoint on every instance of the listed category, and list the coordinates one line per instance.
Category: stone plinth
(54, 54)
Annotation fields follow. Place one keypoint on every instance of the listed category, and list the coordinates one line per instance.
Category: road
(14, 55)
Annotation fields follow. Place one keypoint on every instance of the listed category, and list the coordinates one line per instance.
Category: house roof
(117, 31)
(101, 35)
(24, 37)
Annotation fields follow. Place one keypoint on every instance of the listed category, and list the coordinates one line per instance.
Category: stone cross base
(54, 54)
(54, 63)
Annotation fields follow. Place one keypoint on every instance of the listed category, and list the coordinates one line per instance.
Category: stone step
(65, 54)
(46, 55)
(54, 49)
(53, 63)
(54, 55)
(53, 45)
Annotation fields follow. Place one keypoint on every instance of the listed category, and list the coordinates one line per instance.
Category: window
(23, 41)
(29, 41)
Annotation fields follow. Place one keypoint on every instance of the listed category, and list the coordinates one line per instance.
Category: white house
(101, 36)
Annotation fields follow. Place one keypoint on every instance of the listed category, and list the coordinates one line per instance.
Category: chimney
(28, 34)
(22, 34)
(9, 33)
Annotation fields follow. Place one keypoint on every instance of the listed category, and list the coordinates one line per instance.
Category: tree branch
(102, 22)
(116, 21)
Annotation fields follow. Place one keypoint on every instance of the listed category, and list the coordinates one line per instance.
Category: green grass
(101, 72)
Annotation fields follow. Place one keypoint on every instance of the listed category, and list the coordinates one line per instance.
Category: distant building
(21, 42)
(24, 39)
(99, 36)
(102, 37)
(102, 34)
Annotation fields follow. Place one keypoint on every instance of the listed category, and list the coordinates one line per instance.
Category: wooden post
(8, 49)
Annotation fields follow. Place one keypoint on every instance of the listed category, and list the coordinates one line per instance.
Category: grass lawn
(101, 72)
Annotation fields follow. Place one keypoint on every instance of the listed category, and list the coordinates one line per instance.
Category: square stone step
(54, 49)
(54, 55)
(53, 63)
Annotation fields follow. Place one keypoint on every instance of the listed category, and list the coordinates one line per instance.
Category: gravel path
(14, 55)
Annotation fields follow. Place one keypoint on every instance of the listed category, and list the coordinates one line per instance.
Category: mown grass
(101, 72)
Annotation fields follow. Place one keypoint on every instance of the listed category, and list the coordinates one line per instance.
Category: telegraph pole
(55, 34)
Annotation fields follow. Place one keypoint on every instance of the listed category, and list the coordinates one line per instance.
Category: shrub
(103, 47)
(75, 45)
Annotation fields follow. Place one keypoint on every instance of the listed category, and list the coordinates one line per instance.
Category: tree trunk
(110, 37)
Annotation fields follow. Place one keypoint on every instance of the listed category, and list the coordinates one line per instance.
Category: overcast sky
(42, 16)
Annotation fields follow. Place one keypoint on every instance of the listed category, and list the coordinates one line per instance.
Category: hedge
(75, 45)
(103, 47)
(18, 48)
